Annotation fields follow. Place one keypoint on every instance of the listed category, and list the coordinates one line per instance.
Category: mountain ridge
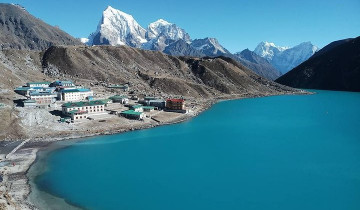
(335, 67)
(285, 58)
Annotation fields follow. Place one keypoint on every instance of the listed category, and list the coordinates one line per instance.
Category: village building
(153, 101)
(82, 110)
(43, 97)
(78, 94)
(159, 103)
(137, 108)
(175, 104)
(131, 114)
(38, 84)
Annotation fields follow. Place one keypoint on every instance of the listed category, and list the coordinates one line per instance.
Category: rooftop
(81, 104)
(29, 101)
(75, 90)
(131, 112)
(22, 88)
(42, 94)
(157, 100)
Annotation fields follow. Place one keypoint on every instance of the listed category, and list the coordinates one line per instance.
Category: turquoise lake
(281, 152)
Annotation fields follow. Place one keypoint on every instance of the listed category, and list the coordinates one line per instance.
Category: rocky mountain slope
(21, 30)
(335, 67)
(258, 64)
(285, 58)
(155, 71)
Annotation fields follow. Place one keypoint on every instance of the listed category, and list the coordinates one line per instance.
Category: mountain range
(119, 28)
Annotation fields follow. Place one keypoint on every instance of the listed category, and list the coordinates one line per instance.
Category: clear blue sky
(237, 24)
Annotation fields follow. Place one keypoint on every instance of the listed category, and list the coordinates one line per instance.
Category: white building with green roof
(131, 114)
(82, 110)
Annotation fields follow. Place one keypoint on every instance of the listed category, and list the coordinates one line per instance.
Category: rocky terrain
(21, 30)
(335, 67)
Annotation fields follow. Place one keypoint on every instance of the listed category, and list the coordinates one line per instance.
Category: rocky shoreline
(15, 188)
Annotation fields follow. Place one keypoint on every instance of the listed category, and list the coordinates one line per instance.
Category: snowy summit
(285, 58)
(118, 28)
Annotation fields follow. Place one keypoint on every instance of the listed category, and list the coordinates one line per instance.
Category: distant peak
(109, 8)
(266, 43)
(162, 22)
(110, 11)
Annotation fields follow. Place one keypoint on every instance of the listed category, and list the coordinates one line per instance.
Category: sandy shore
(17, 158)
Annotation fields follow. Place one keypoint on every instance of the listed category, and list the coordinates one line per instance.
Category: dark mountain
(181, 48)
(258, 64)
(210, 47)
(335, 67)
(21, 30)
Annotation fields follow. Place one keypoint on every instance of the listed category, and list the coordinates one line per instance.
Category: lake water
(282, 152)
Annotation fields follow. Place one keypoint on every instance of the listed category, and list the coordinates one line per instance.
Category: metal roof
(131, 112)
(75, 90)
(81, 104)
(22, 88)
(148, 107)
(29, 101)
(43, 94)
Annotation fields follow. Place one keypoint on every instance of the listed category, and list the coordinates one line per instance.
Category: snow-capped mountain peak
(285, 58)
(268, 50)
(118, 28)
(160, 22)
(209, 46)
(168, 30)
